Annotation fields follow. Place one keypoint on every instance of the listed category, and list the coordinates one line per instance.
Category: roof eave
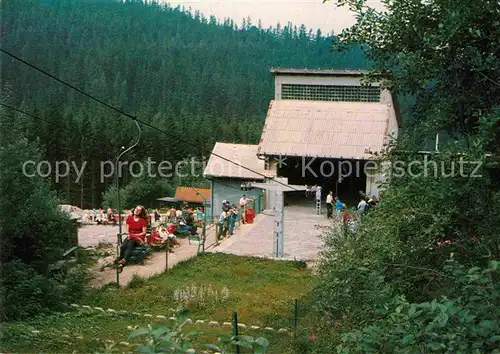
(317, 72)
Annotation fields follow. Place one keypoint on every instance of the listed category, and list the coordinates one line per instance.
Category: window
(330, 93)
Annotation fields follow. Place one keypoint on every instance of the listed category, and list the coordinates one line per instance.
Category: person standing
(157, 215)
(233, 216)
(338, 206)
(329, 205)
(362, 208)
(171, 214)
(243, 208)
(222, 225)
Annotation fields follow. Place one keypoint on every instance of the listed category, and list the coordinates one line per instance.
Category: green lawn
(212, 287)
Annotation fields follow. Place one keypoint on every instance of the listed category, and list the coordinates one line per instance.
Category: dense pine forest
(201, 79)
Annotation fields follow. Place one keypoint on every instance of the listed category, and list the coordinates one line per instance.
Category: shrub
(163, 339)
(136, 282)
(24, 292)
(76, 283)
(34, 232)
(467, 323)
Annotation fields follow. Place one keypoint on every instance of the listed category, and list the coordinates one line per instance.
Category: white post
(278, 224)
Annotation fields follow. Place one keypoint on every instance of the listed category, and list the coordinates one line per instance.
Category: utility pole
(278, 190)
(279, 214)
(118, 206)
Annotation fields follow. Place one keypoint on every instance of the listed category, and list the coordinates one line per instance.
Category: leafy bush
(136, 282)
(351, 281)
(467, 323)
(163, 339)
(75, 283)
(24, 292)
(34, 232)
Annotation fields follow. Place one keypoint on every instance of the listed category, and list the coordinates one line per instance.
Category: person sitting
(136, 233)
(154, 238)
(200, 215)
(169, 238)
(190, 223)
(181, 229)
(171, 229)
(160, 238)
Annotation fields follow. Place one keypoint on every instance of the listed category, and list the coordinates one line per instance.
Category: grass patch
(212, 287)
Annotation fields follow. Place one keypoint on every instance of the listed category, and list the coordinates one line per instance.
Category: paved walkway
(301, 236)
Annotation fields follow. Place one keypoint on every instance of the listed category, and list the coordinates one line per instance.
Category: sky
(312, 13)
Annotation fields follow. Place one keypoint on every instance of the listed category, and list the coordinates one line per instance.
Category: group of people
(227, 219)
(230, 214)
(342, 214)
(100, 217)
(179, 222)
(186, 215)
(331, 203)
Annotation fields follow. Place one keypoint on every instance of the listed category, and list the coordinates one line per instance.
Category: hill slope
(203, 80)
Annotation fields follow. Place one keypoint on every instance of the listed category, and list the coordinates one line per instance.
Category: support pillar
(278, 224)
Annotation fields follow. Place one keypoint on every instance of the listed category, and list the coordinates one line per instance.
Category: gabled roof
(238, 155)
(346, 130)
(189, 194)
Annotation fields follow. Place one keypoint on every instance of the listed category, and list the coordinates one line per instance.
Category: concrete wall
(230, 189)
(314, 80)
(382, 176)
(372, 186)
(393, 129)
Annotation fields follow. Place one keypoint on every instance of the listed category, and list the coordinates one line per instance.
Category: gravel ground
(92, 235)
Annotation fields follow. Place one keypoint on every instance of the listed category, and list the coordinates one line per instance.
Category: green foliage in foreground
(175, 340)
(468, 322)
(34, 234)
(444, 54)
(211, 287)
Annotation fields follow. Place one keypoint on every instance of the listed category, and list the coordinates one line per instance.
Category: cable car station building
(322, 128)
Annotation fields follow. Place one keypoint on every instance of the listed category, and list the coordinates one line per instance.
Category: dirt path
(154, 264)
(92, 235)
(301, 242)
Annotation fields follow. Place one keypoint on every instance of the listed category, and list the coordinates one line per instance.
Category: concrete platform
(301, 240)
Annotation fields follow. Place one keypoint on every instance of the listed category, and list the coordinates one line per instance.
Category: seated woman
(136, 233)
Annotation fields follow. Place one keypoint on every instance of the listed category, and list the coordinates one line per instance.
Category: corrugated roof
(239, 154)
(188, 194)
(324, 129)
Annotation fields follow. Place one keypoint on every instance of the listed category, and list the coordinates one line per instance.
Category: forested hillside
(199, 79)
